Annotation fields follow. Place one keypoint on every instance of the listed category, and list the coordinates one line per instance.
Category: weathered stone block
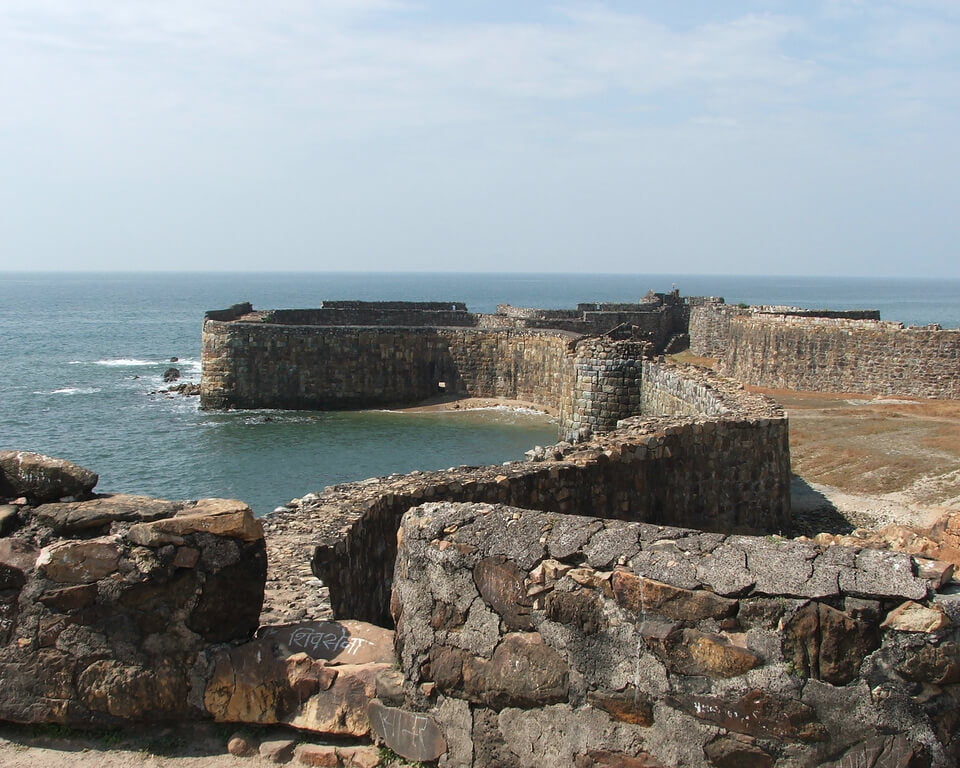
(826, 644)
(643, 595)
(913, 617)
(500, 582)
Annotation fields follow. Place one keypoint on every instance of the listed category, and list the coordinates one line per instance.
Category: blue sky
(736, 137)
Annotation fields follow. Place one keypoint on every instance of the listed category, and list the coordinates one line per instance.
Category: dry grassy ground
(873, 460)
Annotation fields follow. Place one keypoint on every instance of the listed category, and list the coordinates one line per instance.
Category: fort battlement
(582, 365)
(823, 350)
(708, 454)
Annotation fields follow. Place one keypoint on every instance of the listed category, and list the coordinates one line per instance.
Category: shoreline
(458, 403)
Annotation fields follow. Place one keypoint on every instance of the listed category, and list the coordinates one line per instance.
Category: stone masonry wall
(530, 365)
(727, 472)
(372, 315)
(532, 639)
(679, 391)
(843, 356)
(710, 327)
(606, 386)
(266, 365)
(262, 365)
(709, 321)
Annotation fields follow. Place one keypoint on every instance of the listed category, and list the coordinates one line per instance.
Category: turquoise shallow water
(81, 352)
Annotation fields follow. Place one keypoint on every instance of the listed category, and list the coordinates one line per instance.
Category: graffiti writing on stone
(320, 641)
(412, 735)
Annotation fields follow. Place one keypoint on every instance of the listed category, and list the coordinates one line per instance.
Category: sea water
(81, 354)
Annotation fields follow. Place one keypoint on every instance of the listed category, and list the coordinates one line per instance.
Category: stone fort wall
(535, 640)
(297, 359)
(713, 456)
(827, 351)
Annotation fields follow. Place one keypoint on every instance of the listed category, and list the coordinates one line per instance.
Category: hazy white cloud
(396, 133)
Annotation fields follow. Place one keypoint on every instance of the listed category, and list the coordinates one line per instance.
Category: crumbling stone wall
(729, 471)
(842, 355)
(119, 609)
(536, 639)
(108, 606)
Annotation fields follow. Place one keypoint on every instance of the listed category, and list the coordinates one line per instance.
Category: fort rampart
(711, 456)
(827, 351)
(348, 355)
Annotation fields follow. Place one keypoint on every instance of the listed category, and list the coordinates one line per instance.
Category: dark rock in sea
(171, 374)
(187, 389)
(174, 359)
(41, 478)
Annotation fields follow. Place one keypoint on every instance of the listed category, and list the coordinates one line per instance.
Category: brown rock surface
(755, 713)
(737, 751)
(42, 478)
(602, 758)
(913, 617)
(643, 595)
(337, 642)
(241, 745)
(629, 706)
(500, 582)
(81, 516)
(259, 682)
(939, 664)
(691, 652)
(827, 644)
(231, 519)
(80, 561)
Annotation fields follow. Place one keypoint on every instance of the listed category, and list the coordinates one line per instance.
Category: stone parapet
(729, 471)
(532, 639)
(843, 355)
